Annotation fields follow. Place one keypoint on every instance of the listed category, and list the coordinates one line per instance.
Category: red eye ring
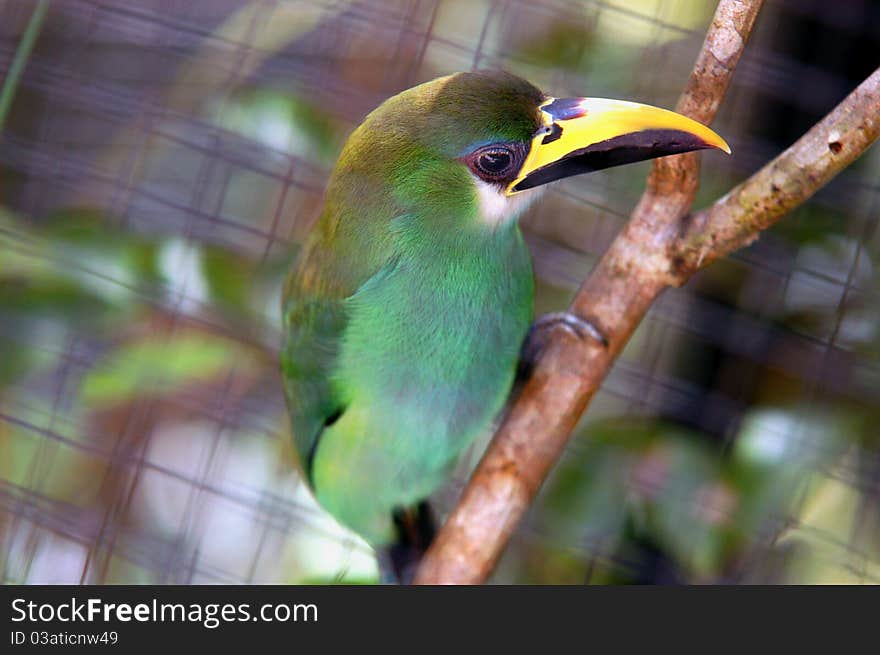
(496, 162)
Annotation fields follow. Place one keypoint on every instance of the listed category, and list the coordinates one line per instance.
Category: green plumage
(404, 315)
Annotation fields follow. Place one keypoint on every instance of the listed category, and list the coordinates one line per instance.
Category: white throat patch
(496, 208)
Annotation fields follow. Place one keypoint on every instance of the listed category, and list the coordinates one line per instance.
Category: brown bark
(660, 246)
(735, 220)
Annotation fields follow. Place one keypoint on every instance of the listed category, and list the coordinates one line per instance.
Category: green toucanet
(407, 308)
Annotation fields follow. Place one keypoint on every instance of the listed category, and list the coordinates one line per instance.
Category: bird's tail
(415, 532)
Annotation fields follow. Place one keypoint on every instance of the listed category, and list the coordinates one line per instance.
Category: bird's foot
(579, 327)
(415, 527)
(388, 574)
(540, 331)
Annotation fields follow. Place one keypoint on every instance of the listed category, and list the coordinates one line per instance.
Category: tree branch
(641, 262)
(793, 177)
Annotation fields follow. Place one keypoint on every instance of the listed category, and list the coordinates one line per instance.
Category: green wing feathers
(315, 315)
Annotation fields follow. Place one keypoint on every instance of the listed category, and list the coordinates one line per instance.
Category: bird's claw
(579, 327)
(540, 330)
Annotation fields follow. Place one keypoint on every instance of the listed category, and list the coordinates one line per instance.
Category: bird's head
(482, 141)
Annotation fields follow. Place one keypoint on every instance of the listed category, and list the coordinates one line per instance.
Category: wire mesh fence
(159, 164)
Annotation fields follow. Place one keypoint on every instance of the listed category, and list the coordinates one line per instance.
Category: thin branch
(615, 297)
(831, 145)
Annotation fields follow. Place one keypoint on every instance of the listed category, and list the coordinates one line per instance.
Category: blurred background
(160, 160)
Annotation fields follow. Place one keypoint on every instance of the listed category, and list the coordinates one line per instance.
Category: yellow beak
(581, 135)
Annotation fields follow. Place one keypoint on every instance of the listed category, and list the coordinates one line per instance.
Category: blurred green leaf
(835, 536)
(72, 264)
(647, 474)
(230, 278)
(561, 45)
(283, 122)
(162, 366)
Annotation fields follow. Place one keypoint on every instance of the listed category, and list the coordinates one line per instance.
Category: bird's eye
(496, 162)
